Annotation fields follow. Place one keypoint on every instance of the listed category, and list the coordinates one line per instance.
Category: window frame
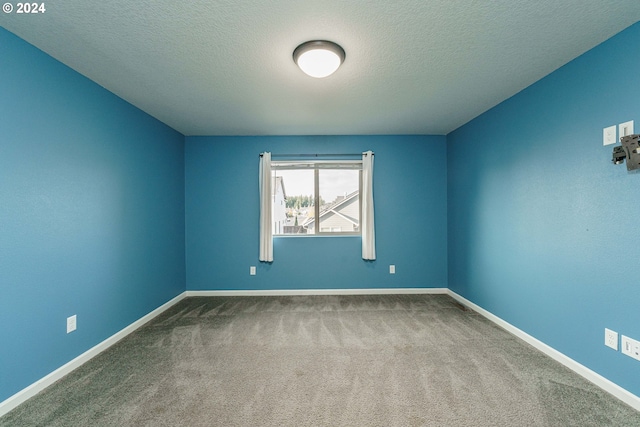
(316, 166)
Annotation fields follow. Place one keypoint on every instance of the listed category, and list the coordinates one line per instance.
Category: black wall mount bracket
(630, 150)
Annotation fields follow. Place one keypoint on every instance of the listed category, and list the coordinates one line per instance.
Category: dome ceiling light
(318, 58)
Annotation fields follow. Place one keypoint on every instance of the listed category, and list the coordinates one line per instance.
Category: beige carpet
(410, 360)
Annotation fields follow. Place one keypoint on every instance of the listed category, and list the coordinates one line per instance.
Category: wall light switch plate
(71, 323)
(252, 270)
(625, 128)
(392, 269)
(611, 339)
(609, 135)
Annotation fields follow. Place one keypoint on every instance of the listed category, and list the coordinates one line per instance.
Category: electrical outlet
(631, 347)
(392, 269)
(252, 270)
(71, 323)
(609, 135)
(611, 339)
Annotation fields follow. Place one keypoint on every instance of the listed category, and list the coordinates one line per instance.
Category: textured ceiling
(224, 67)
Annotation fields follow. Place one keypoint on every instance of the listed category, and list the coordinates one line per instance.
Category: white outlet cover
(252, 270)
(611, 339)
(392, 269)
(625, 128)
(71, 323)
(609, 135)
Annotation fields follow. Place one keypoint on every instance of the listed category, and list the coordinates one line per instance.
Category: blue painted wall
(543, 229)
(222, 217)
(91, 214)
(97, 199)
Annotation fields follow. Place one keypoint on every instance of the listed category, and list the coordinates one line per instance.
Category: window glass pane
(339, 200)
(293, 201)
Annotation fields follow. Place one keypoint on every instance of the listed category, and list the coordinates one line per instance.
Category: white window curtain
(266, 231)
(368, 228)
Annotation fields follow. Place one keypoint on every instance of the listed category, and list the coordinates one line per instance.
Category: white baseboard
(67, 368)
(301, 292)
(597, 379)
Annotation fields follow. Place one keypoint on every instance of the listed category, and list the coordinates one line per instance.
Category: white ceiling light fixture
(319, 58)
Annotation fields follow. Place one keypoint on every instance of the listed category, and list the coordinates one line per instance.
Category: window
(316, 197)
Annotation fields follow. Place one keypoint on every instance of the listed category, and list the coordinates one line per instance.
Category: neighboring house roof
(335, 208)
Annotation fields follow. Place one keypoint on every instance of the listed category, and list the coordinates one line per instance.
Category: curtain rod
(316, 155)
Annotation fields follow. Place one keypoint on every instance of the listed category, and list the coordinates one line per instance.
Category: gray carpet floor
(399, 360)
